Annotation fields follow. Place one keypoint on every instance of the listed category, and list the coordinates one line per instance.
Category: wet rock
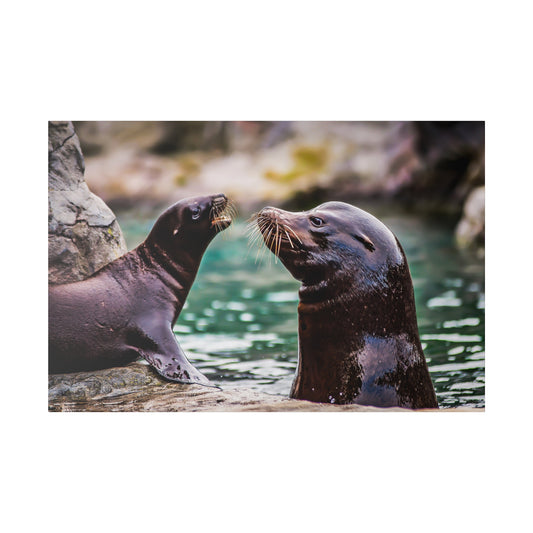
(85, 386)
(137, 387)
(470, 232)
(83, 233)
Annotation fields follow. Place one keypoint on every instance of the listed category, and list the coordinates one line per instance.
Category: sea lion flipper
(169, 360)
(176, 368)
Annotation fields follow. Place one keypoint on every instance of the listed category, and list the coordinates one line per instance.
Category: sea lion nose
(273, 213)
(268, 211)
(219, 199)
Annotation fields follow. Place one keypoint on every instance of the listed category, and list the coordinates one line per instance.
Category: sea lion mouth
(221, 222)
(222, 213)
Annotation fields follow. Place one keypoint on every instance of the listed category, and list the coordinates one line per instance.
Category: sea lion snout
(219, 199)
(273, 214)
(269, 212)
(278, 230)
(221, 214)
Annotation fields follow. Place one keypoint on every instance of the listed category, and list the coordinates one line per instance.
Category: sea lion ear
(362, 238)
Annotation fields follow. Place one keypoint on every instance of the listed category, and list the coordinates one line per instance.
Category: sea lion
(357, 328)
(127, 308)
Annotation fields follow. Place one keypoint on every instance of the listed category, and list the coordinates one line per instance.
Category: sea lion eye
(195, 212)
(316, 221)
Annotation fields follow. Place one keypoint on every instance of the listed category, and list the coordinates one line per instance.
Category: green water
(239, 324)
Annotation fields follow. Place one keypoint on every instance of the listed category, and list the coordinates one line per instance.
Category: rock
(470, 232)
(83, 233)
(436, 164)
(137, 387)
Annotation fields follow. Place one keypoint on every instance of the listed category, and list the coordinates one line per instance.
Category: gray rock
(83, 233)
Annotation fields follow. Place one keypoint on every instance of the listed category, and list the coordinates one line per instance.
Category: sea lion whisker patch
(252, 229)
(292, 231)
(233, 212)
(260, 254)
(222, 213)
(288, 237)
(269, 236)
(278, 241)
(254, 236)
(260, 250)
(257, 238)
(269, 240)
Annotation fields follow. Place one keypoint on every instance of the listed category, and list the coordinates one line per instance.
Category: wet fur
(357, 328)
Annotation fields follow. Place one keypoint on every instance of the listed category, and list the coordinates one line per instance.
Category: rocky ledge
(83, 233)
(137, 387)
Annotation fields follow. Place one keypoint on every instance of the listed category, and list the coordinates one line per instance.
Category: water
(239, 324)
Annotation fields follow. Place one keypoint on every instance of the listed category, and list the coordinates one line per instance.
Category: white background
(230, 60)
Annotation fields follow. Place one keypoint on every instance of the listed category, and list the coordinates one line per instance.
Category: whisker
(278, 242)
(253, 218)
(252, 228)
(267, 241)
(273, 233)
(292, 231)
(260, 253)
(284, 229)
(255, 238)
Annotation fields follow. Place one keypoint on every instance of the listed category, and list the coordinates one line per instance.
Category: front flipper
(176, 368)
(168, 359)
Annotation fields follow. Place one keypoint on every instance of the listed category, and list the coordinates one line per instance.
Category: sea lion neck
(322, 293)
(176, 276)
(349, 341)
(379, 304)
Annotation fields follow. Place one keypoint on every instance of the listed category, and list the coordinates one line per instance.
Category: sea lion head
(191, 223)
(333, 249)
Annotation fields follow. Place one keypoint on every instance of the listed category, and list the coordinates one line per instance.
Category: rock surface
(83, 233)
(470, 232)
(137, 387)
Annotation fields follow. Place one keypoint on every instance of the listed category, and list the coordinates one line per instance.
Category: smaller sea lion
(357, 328)
(127, 308)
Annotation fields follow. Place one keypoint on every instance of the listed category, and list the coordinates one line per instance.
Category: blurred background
(425, 180)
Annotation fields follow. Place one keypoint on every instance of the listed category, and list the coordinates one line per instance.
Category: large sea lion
(127, 308)
(357, 328)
